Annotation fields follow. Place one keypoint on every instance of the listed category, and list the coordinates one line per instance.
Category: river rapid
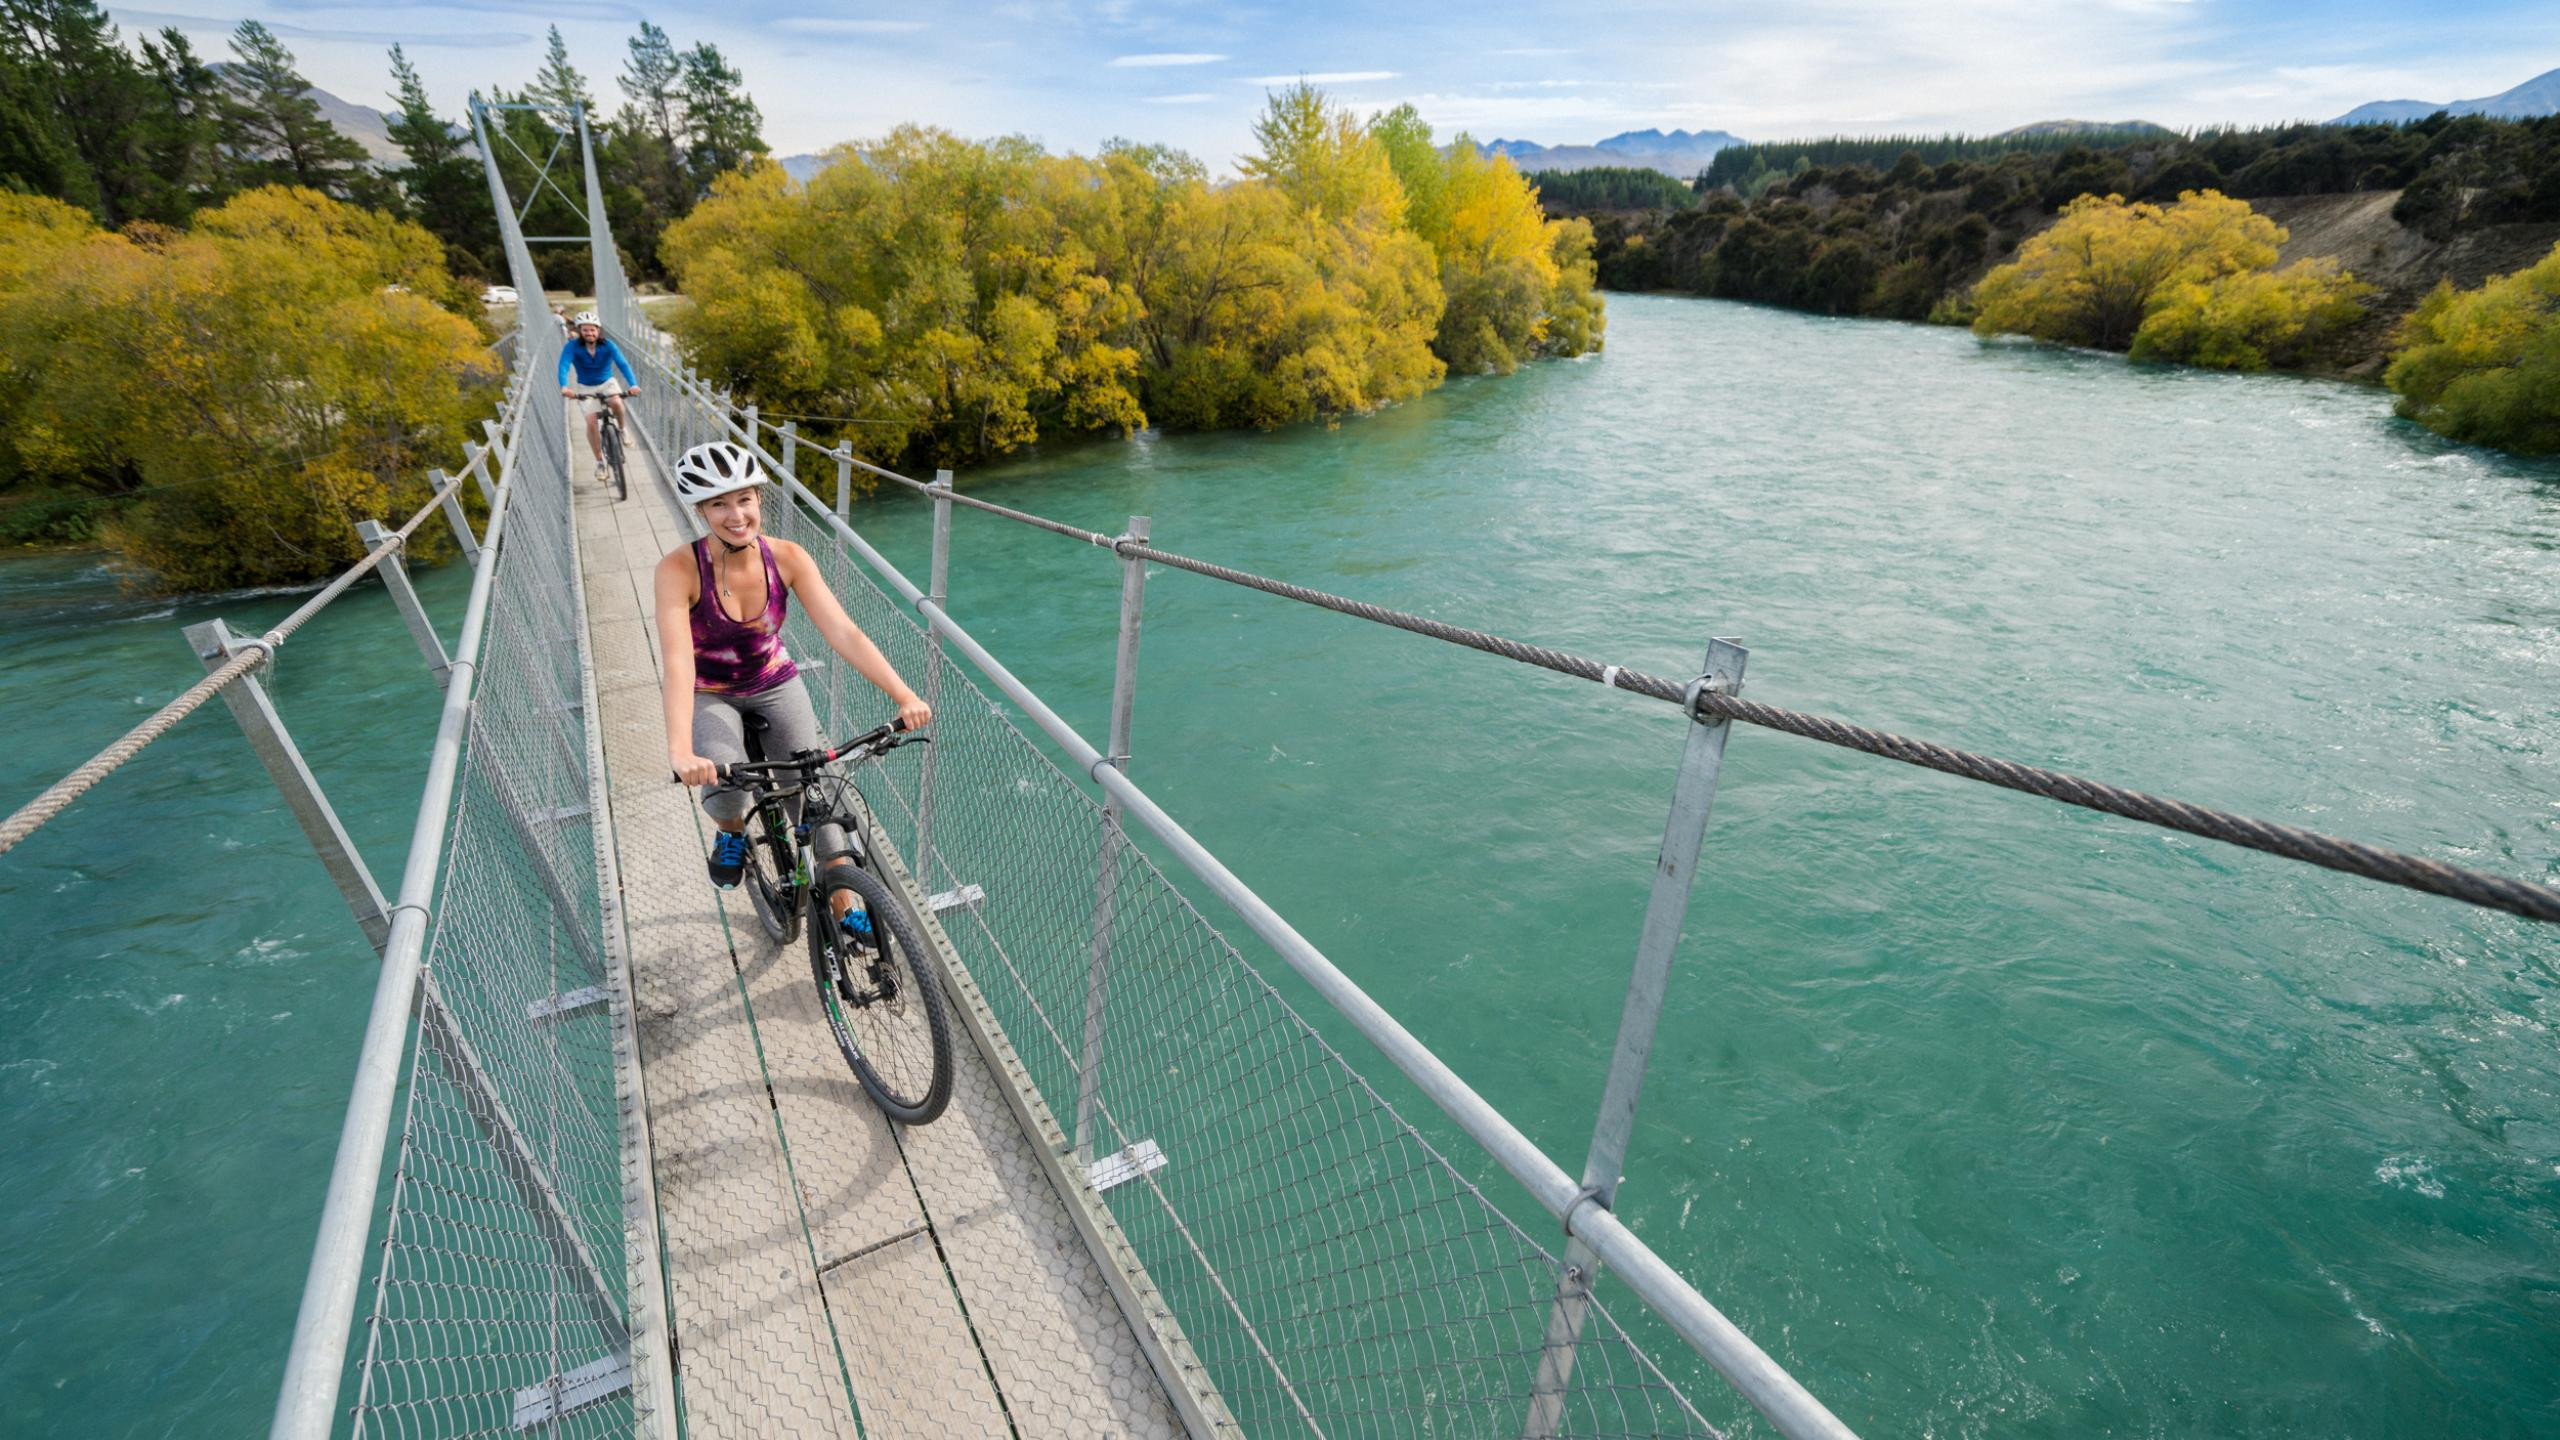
(1984, 1115)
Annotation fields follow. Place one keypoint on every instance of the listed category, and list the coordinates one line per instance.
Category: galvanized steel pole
(395, 578)
(476, 461)
(1106, 889)
(940, 576)
(454, 517)
(273, 744)
(1693, 797)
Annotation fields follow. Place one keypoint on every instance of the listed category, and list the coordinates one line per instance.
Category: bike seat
(755, 726)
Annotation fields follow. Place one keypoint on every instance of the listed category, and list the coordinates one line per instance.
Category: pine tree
(443, 183)
(182, 129)
(723, 128)
(558, 82)
(277, 136)
(38, 154)
(646, 184)
(651, 81)
(74, 101)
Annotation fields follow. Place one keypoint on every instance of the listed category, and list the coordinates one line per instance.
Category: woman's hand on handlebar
(692, 769)
(914, 714)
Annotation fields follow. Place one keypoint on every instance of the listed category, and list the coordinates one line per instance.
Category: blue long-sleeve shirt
(595, 366)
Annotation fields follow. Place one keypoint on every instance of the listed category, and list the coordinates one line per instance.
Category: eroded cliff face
(2400, 263)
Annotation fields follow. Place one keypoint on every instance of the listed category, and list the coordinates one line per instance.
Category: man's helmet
(588, 317)
(714, 468)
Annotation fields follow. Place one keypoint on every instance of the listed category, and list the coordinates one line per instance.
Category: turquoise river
(1986, 1116)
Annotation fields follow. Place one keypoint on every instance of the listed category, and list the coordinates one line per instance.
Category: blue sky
(1074, 72)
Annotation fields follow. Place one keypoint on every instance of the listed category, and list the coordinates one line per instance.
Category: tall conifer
(277, 133)
(723, 128)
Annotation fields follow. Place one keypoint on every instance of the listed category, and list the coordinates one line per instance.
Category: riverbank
(2354, 229)
(2400, 208)
(2358, 231)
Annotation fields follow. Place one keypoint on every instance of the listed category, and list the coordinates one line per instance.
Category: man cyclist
(595, 359)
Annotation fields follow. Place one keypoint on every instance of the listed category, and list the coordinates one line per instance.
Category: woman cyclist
(721, 602)
(594, 359)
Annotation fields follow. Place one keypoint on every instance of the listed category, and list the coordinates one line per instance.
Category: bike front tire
(613, 458)
(772, 882)
(899, 1045)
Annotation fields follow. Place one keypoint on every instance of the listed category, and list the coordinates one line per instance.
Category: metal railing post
(939, 594)
(1674, 873)
(476, 463)
(454, 517)
(844, 479)
(1106, 892)
(791, 448)
(395, 578)
(213, 644)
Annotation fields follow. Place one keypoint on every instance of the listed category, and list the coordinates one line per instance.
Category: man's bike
(878, 989)
(612, 432)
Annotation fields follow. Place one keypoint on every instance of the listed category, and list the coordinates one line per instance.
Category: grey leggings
(719, 736)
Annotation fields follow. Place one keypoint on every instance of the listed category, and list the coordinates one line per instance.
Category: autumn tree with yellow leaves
(2483, 365)
(259, 383)
(2193, 281)
(932, 295)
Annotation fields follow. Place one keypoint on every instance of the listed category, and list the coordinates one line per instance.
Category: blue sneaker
(728, 859)
(856, 925)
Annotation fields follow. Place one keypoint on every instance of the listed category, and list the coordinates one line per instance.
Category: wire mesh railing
(502, 1272)
(503, 1302)
(1336, 1273)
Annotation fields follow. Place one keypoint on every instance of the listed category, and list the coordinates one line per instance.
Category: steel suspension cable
(2292, 842)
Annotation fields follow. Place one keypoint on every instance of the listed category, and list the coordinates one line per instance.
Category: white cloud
(487, 40)
(1149, 62)
(830, 25)
(1195, 97)
(1326, 77)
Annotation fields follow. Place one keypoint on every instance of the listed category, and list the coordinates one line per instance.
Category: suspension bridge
(631, 1187)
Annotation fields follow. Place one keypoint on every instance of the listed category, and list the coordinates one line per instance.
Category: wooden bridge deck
(822, 1264)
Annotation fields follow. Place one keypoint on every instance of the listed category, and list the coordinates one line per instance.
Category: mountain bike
(878, 991)
(611, 434)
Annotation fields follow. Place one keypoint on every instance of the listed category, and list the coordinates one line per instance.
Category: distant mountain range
(2084, 127)
(1678, 153)
(364, 125)
(2537, 96)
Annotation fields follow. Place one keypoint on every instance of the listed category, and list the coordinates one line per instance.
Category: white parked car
(498, 295)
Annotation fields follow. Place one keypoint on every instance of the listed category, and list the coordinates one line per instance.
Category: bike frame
(771, 801)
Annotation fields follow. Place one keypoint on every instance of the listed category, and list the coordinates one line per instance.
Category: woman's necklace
(728, 592)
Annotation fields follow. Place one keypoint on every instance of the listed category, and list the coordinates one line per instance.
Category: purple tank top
(739, 657)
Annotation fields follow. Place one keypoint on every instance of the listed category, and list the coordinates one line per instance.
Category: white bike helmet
(587, 317)
(714, 468)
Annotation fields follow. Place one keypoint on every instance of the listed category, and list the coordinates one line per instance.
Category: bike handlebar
(879, 742)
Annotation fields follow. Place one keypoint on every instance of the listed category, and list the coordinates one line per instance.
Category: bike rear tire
(772, 881)
(899, 1046)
